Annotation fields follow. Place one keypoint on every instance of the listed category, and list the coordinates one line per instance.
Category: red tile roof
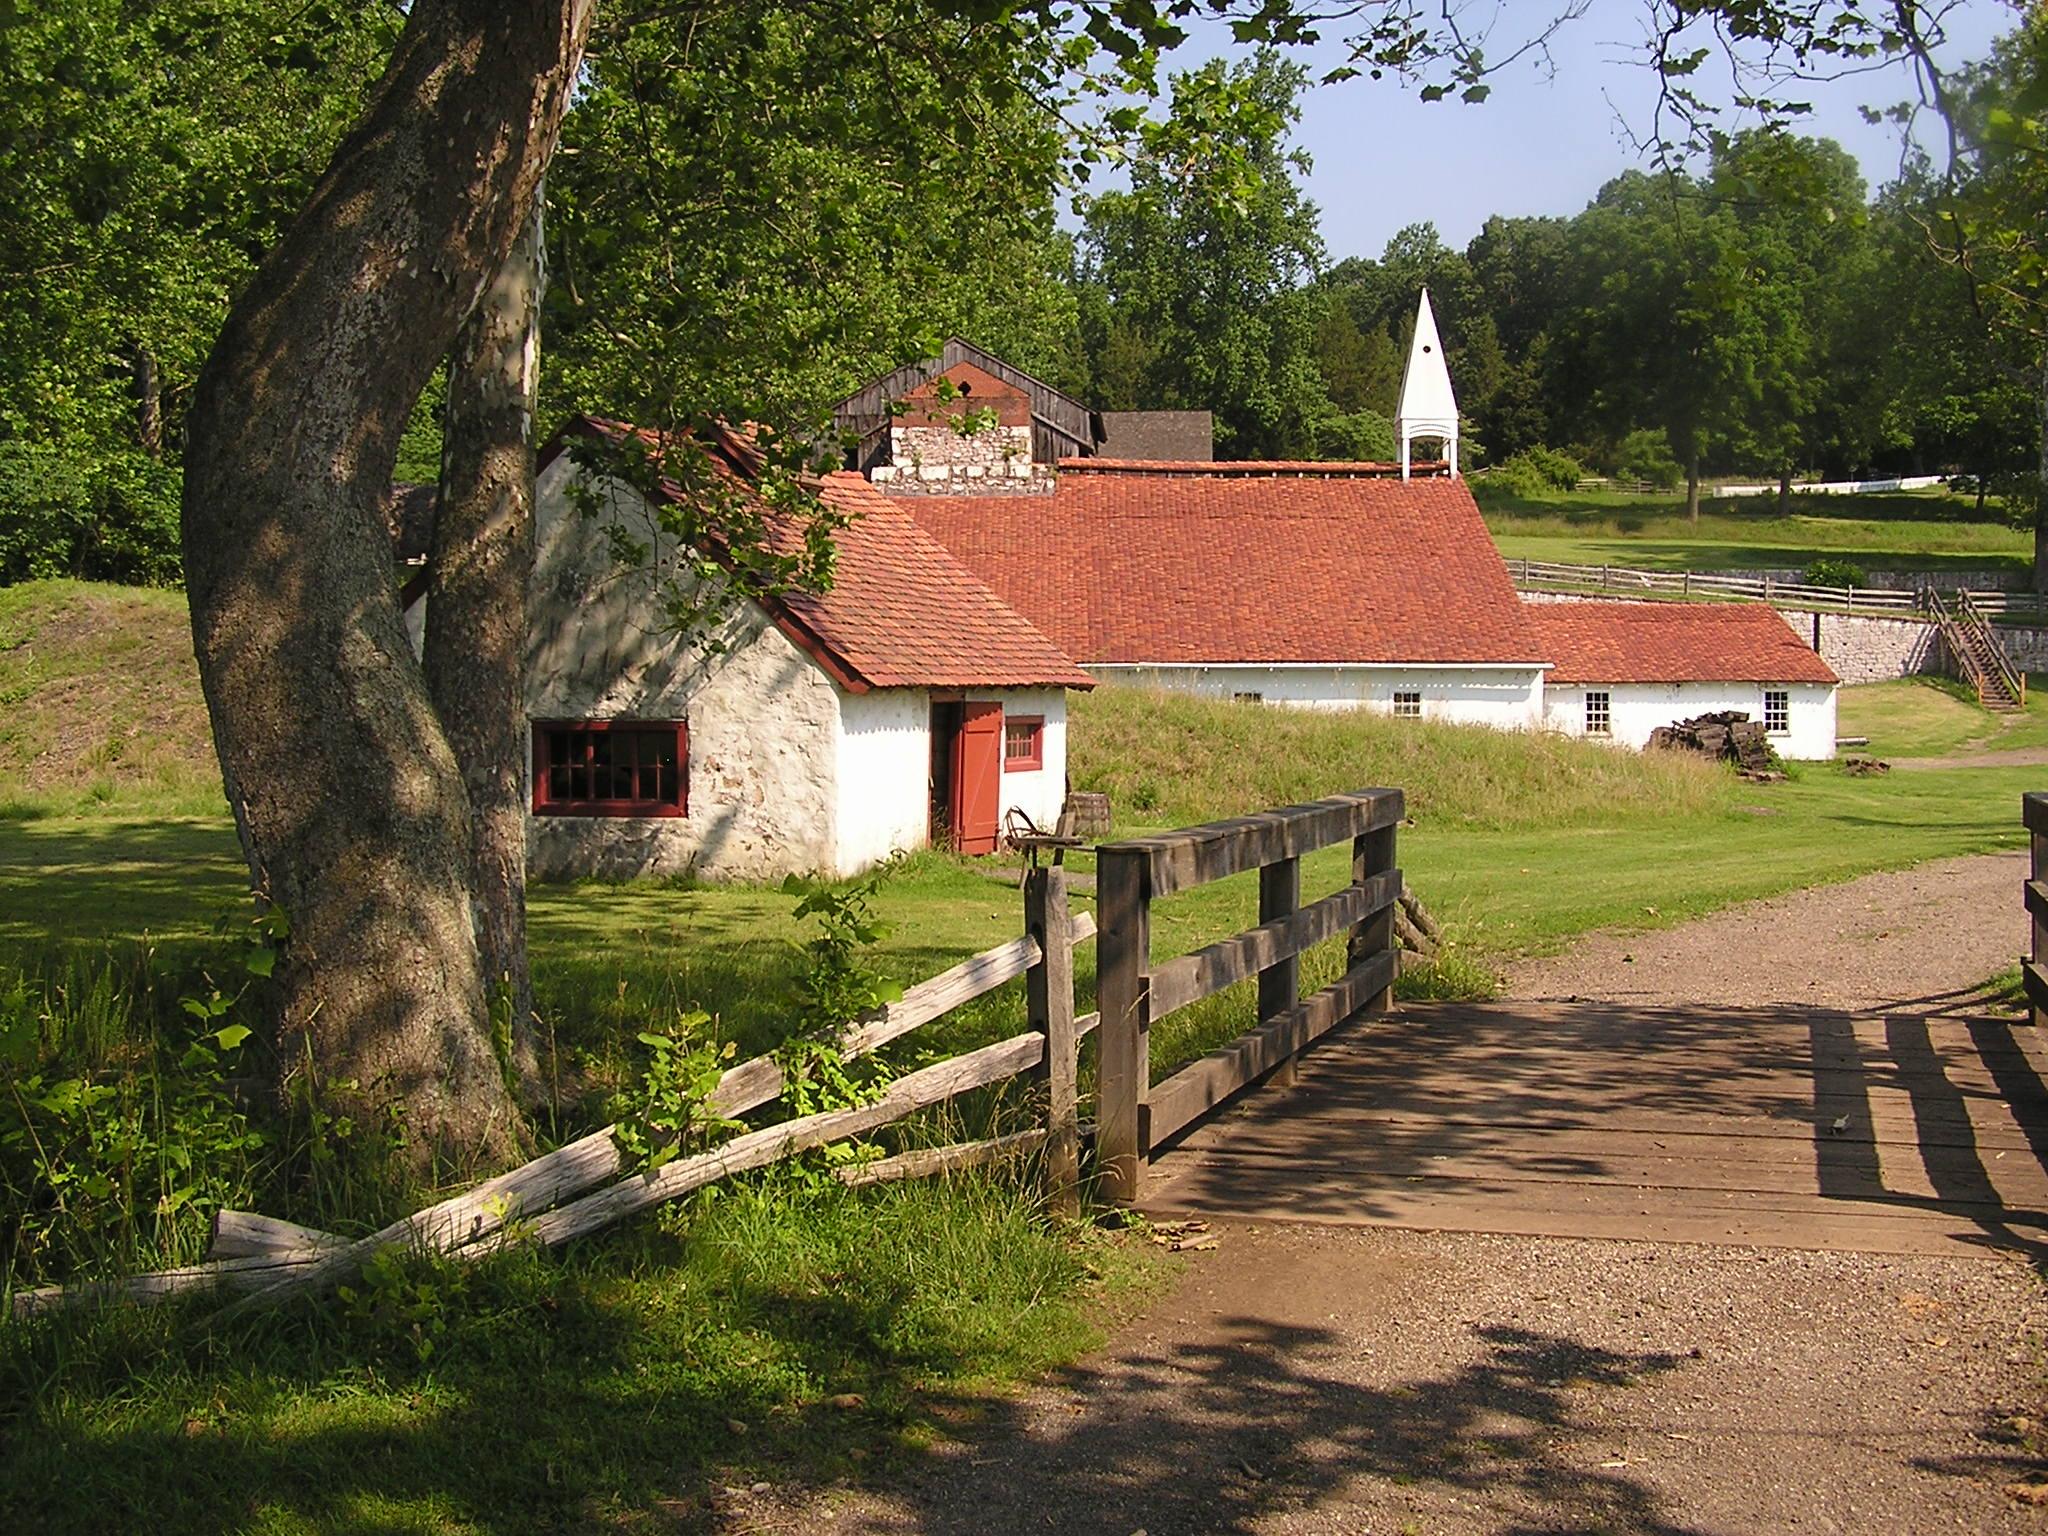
(1185, 567)
(1609, 642)
(901, 611)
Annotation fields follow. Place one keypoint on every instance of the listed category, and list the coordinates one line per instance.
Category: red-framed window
(611, 768)
(1023, 743)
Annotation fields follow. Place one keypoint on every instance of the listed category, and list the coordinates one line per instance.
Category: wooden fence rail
(1134, 992)
(583, 1186)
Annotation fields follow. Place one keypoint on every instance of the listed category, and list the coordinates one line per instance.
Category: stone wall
(763, 718)
(940, 460)
(1866, 650)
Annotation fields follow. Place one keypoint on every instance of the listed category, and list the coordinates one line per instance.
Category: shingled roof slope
(1609, 642)
(1177, 567)
(901, 612)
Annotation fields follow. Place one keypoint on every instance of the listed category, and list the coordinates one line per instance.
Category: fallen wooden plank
(249, 1272)
(249, 1234)
(927, 1161)
(1189, 978)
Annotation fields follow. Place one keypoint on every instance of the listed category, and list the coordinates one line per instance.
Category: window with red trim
(611, 767)
(1023, 743)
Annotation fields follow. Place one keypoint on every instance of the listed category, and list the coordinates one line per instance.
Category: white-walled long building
(1619, 670)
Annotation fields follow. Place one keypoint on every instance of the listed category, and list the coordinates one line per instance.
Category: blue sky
(1548, 138)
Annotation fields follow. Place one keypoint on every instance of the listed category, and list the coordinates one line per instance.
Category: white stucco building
(812, 734)
(1323, 586)
(1620, 670)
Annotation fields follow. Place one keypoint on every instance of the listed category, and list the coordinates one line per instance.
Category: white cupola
(1428, 408)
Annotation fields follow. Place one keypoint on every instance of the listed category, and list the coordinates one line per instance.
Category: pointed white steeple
(1428, 408)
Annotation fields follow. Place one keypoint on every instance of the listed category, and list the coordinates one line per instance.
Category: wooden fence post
(1049, 998)
(1373, 853)
(2034, 972)
(1280, 985)
(1122, 956)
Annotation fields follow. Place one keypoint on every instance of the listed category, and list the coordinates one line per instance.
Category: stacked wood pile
(1727, 733)
(1865, 767)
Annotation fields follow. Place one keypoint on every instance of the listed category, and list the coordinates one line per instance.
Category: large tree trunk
(1785, 490)
(1692, 485)
(350, 805)
(482, 560)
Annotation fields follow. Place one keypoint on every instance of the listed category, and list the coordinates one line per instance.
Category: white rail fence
(1877, 602)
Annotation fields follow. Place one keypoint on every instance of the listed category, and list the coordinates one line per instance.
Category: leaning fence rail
(584, 1186)
(1134, 991)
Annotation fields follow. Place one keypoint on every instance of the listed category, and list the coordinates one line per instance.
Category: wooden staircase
(1978, 655)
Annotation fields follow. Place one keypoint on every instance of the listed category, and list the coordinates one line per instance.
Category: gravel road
(1912, 940)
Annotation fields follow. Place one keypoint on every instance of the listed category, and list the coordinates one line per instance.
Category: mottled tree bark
(351, 807)
(481, 562)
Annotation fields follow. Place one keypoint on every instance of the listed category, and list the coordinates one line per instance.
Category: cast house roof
(901, 611)
(1204, 564)
(1606, 642)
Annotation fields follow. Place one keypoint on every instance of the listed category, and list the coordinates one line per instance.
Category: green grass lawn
(612, 1383)
(1938, 717)
(1909, 531)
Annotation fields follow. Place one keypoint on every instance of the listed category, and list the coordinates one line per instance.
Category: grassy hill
(100, 702)
(1169, 759)
(1916, 530)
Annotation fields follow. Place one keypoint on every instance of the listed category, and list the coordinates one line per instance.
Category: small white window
(1599, 714)
(1407, 704)
(1247, 698)
(1777, 711)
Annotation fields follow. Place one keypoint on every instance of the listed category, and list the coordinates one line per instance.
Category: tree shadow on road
(1257, 1419)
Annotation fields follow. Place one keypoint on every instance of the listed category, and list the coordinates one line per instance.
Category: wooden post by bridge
(1135, 1116)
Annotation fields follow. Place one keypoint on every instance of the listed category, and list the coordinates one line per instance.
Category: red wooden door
(978, 778)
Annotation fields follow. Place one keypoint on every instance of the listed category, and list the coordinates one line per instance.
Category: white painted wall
(1508, 697)
(1639, 708)
(1040, 793)
(884, 775)
(763, 717)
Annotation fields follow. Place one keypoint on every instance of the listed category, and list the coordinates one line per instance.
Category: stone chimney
(962, 432)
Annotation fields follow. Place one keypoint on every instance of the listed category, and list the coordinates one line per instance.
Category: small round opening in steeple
(1425, 346)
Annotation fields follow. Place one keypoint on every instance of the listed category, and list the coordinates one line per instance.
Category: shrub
(1359, 436)
(1645, 455)
(1833, 571)
(1536, 472)
(111, 517)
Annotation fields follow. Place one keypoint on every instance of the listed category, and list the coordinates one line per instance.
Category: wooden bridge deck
(1600, 1120)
